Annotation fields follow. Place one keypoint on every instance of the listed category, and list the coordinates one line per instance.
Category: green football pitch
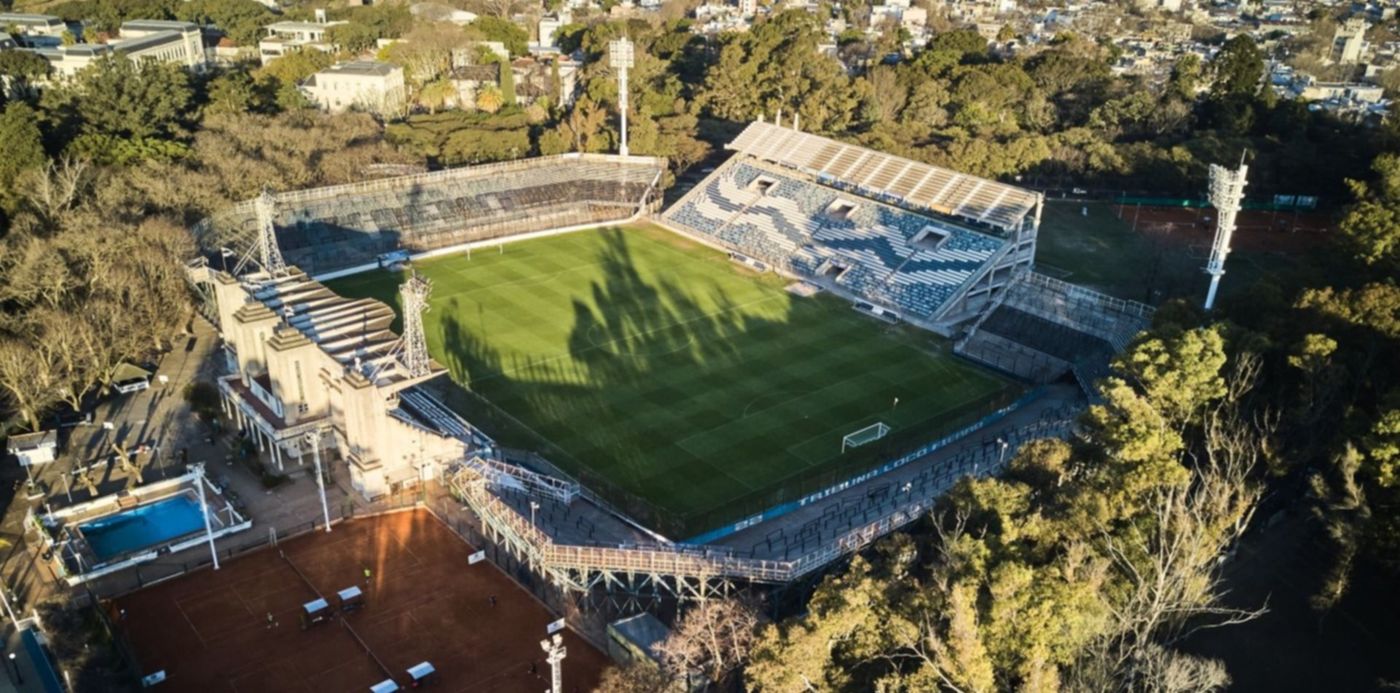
(676, 377)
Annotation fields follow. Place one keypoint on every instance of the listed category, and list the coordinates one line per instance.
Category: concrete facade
(310, 369)
(369, 86)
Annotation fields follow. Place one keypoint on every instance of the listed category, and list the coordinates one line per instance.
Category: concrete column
(258, 433)
(276, 453)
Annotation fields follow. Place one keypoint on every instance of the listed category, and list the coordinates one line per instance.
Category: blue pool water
(143, 526)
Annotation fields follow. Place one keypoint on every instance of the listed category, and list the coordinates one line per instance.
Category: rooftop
(158, 25)
(90, 50)
(353, 331)
(941, 190)
(366, 68)
(29, 19)
(148, 41)
(290, 26)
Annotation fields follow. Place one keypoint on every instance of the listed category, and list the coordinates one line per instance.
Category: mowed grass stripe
(664, 368)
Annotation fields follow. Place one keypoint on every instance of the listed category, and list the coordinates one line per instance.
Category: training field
(209, 632)
(669, 372)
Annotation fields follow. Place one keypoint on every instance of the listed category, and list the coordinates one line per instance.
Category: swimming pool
(143, 526)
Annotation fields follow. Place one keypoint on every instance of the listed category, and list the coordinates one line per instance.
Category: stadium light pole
(314, 440)
(1226, 193)
(555, 651)
(204, 510)
(621, 58)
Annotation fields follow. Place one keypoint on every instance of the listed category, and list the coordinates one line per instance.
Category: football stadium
(796, 357)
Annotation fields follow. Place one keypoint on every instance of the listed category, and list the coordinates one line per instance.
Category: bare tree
(56, 190)
(1171, 565)
(26, 380)
(714, 637)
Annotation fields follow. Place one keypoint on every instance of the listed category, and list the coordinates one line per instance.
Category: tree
(240, 20)
(280, 77)
(426, 51)
(776, 66)
(352, 37)
(23, 146)
(489, 99)
(713, 637)
(1056, 576)
(116, 102)
(232, 93)
(19, 70)
(1372, 224)
(27, 380)
(1238, 68)
(634, 678)
(504, 30)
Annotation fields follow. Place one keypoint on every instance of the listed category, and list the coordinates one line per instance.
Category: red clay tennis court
(1256, 230)
(209, 630)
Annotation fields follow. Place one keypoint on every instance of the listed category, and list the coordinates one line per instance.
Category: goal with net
(869, 434)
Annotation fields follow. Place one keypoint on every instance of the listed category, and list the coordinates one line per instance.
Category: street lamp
(533, 507)
(555, 651)
(1001, 456)
(14, 662)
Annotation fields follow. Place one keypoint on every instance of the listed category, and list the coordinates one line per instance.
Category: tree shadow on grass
(631, 337)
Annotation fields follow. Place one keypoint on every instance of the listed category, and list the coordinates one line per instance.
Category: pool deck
(208, 630)
(79, 560)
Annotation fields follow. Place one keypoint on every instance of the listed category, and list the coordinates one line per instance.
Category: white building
(34, 448)
(162, 41)
(285, 37)
(313, 373)
(33, 30)
(1349, 41)
(369, 86)
(181, 43)
(70, 60)
(550, 25)
(436, 12)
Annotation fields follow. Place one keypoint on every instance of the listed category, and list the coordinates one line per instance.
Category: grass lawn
(677, 377)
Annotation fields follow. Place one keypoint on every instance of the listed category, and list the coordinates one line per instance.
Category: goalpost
(869, 434)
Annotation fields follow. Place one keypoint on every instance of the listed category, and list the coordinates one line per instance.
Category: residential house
(364, 85)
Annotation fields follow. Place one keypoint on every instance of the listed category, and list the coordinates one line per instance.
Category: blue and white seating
(789, 223)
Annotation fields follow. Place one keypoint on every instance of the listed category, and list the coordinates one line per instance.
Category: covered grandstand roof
(924, 185)
(353, 331)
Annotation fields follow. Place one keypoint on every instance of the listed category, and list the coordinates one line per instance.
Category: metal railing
(706, 561)
(1079, 293)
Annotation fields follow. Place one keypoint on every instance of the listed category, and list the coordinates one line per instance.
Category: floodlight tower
(621, 58)
(268, 253)
(555, 651)
(199, 481)
(1226, 194)
(415, 293)
(313, 438)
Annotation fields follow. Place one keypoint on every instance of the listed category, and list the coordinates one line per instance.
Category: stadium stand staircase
(1042, 327)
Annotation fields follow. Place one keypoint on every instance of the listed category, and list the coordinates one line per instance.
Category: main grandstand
(905, 241)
